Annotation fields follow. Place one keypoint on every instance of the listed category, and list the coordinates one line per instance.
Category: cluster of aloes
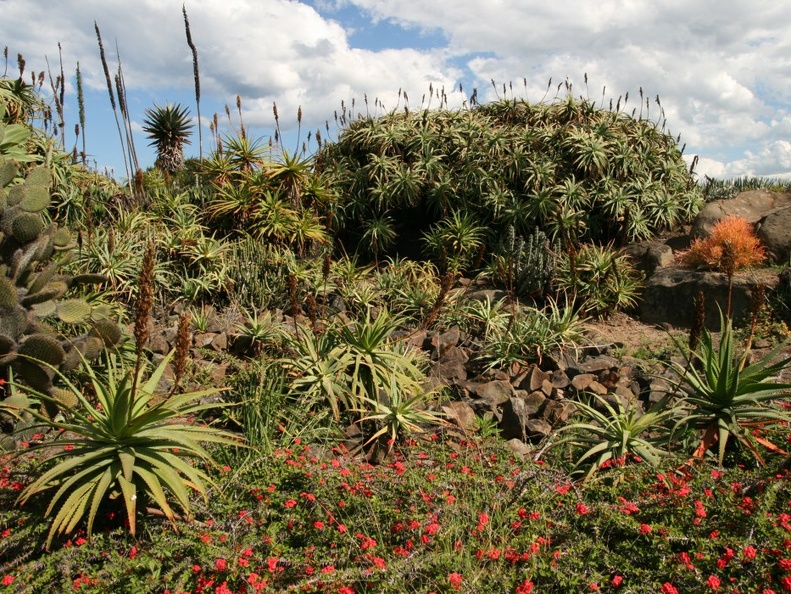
(361, 373)
(570, 168)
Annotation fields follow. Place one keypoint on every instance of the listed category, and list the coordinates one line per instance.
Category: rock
(658, 388)
(598, 364)
(772, 230)
(493, 295)
(558, 412)
(581, 382)
(446, 340)
(535, 379)
(647, 256)
(752, 206)
(449, 373)
(560, 380)
(520, 449)
(461, 414)
(537, 429)
(669, 295)
(534, 401)
(515, 418)
(203, 340)
(157, 343)
(220, 342)
(454, 354)
(496, 392)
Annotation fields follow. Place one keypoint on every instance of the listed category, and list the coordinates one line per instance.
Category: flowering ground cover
(442, 515)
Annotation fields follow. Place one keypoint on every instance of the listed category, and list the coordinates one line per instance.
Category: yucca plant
(169, 129)
(604, 433)
(128, 442)
(726, 397)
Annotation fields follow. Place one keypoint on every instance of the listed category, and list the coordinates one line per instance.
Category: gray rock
(647, 256)
(537, 429)
(558, 412)
(752, 206)
(520, 449)
(773, 231)
(514, 419)
(581, 382)
(669, 295)
(496, 392)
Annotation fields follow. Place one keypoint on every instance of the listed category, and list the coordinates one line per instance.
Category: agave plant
(129, 442)
(168, 128)
(615, 433)
(726, 397)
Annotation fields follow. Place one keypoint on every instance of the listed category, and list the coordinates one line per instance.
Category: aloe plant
(725, 397)
(129, 442)
(615, 433)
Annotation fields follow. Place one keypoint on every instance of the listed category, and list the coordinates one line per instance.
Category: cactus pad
(26, 227)
(43, 347)
(8, 294)
(108, 331)
(35, 199)
(74, 311)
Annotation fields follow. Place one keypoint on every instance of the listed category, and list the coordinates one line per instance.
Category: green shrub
(599, 279)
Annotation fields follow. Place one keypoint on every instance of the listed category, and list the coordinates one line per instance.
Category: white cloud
(720, 69)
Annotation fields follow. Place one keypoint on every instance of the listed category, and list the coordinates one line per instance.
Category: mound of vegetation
(575, 171)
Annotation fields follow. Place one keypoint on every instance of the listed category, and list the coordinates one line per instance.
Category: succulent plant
(32, 287)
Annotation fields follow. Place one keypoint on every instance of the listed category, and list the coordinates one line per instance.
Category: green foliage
(347, 365)
(129, 442)
(528, 335)
(570, 168)
(526, 266)
(725, 396)
(599, 279)
(33, 252)
(605, 434)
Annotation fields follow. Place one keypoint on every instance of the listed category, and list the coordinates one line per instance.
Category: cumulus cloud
(720, 69)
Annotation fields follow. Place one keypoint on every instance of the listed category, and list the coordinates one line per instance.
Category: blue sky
(721, 69)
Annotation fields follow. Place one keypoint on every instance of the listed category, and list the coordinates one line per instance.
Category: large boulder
(752, 206)
(669, 295)
(773, 231)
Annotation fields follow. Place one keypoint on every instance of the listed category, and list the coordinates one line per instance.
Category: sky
(722, 69)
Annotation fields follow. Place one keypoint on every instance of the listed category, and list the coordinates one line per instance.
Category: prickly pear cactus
(34, 291)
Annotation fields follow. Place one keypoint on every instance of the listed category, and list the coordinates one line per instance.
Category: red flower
(582, 509)
(290, 503)
(616, 581)
(220, 565)
(668, 588)
(318, 525)
(713, 582)
(8, 579)
(342, 528)
(455, 580)
(525, 587)
(645, 529)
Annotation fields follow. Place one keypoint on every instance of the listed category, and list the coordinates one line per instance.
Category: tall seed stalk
(196, 76)
(109, 81)
(81, 105)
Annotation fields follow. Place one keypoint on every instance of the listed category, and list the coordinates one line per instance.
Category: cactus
(73, 311)
(9, 298)
(107, 330)
(26, 227)
(43, 347)
(67, 398)
(32, 290)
